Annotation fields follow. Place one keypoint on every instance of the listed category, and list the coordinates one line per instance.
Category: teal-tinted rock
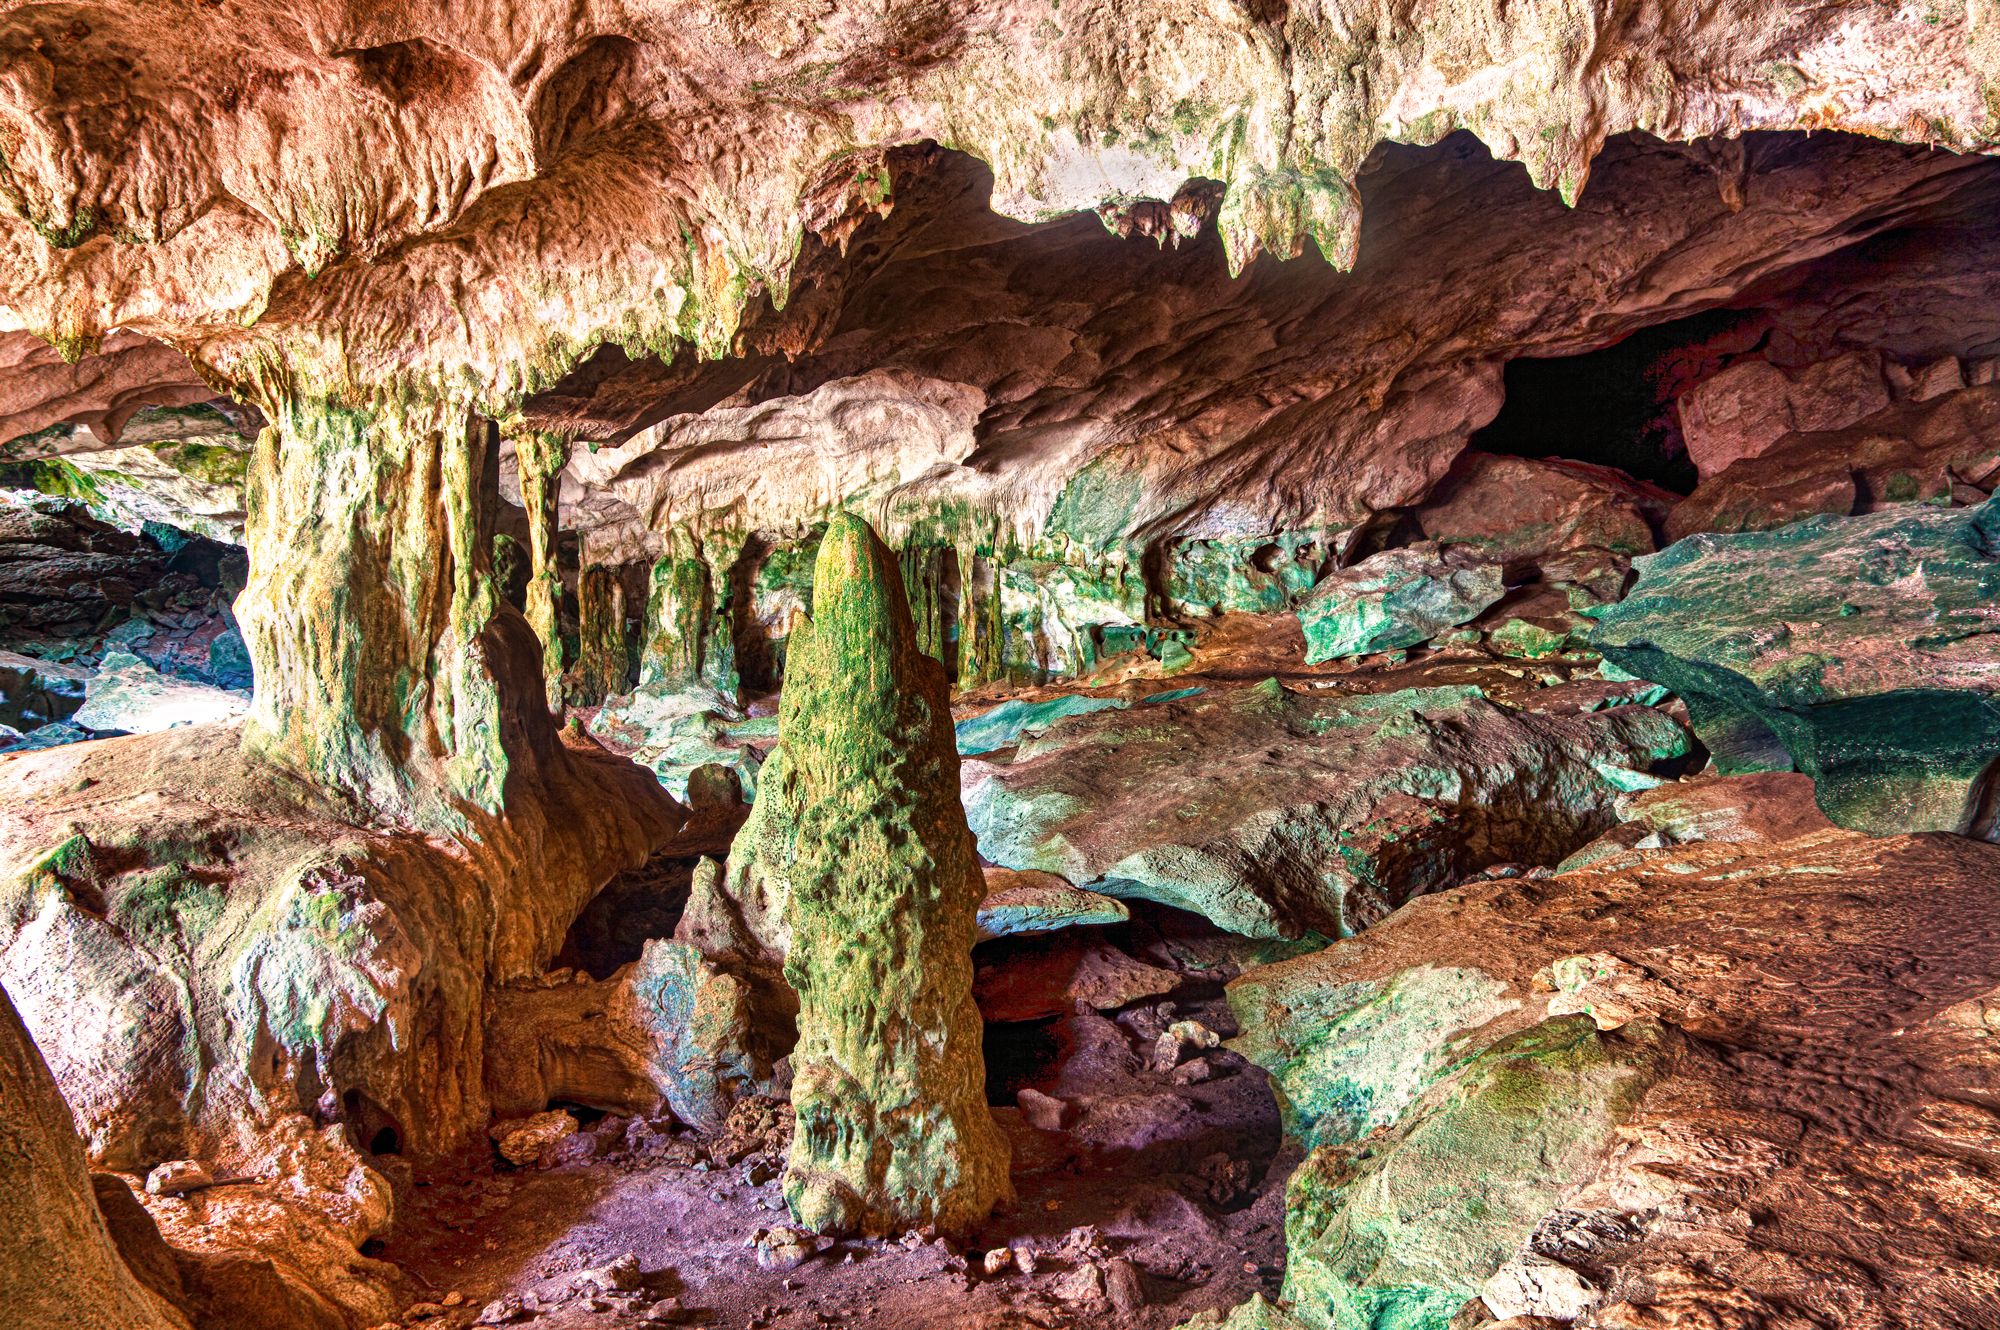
(1348, 1057)
(1526, 640)
(1004, 725)
(1274, 814)
(1398, 598)
(673, 728)
(1020, 904)
(1865, 651)
(1400, 1230)
(1261, 574)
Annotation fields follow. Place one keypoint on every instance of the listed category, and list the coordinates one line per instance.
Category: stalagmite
(862, 827)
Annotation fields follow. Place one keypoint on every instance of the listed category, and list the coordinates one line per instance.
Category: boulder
(1406, 1228)
(1858, 649)
(1939, 450)
(1272, 813)
(1398, 598)
(129, 696)
(1748, 407)
(1526, 507)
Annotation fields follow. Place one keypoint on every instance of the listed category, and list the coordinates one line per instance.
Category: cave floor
(1131, 1173)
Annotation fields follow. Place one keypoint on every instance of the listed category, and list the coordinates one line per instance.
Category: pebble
(998, 1261)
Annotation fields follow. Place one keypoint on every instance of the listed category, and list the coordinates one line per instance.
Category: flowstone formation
(1860, 649)
(62, 1269)
(859, 834)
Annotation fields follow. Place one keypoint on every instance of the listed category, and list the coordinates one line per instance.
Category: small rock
(1194, 1072)
(522, 1141)
(423, 1311)
(453, 1299)
(1026, 1259)
(618, 1276)
(1043, 1112)
(177, 1177)
(1084, 1284)
(1122, 1286)
(502, 1311)
(783, 1248)
(998, 1261)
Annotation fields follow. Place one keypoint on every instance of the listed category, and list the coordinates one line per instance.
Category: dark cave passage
(1616, 406)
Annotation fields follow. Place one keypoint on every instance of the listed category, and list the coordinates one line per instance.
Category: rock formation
(1858, 648)
(859, 832)
(62, 1268)
(1327, 462)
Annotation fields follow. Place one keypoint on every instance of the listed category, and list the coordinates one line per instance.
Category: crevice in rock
(630, 910)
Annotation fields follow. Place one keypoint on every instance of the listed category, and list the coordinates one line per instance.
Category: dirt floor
(1150, 1187)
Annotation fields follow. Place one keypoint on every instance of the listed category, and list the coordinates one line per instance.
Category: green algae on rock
(1400, 1231)
(1398, 598)
(859, 831)
(604, 653)
(1272, 813)
(1858, 649)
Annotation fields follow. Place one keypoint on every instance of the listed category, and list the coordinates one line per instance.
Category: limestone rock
(128, 696)
(62, 1269)
(1747, 408)
(521, 1142)
(1043, 977)
(1522, 507)
(1021, 903)
(1273, 813)
(1398, 598)
(1908, 452)
(1858, 648)
(860, 834)
(1407, 1229)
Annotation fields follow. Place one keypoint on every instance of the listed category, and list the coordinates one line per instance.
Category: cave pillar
(678, 611)
(384, 667)
(603, 655)
(539, 458)
(861, 829)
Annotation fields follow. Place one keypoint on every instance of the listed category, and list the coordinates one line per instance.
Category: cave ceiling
(465, 199)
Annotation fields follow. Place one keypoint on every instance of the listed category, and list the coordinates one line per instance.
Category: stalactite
(540, 457)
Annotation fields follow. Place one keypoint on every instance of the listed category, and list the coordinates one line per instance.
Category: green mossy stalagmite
(678, 609)
(862, 831)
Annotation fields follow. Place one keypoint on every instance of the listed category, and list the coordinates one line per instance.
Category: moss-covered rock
(858, 835)
(1399, 1231)
(1859, 649)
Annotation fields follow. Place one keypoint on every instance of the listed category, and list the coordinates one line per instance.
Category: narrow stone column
(539, 458)
(861, 826)
(678, 610)
(603, 654)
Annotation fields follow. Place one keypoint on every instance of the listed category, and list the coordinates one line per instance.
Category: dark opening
(1266, 558)
(630, 910)
(369, 1125)
(1615, 406)
(951, 592)
(1019, 1054)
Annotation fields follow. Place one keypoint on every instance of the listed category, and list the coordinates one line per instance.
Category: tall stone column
(678, 611)
(371, 616)
(539, 458)
(859, 829)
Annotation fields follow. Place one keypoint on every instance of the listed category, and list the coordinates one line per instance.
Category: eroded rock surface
(1858, 648)
(1272, 812)
(1745, 1115)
